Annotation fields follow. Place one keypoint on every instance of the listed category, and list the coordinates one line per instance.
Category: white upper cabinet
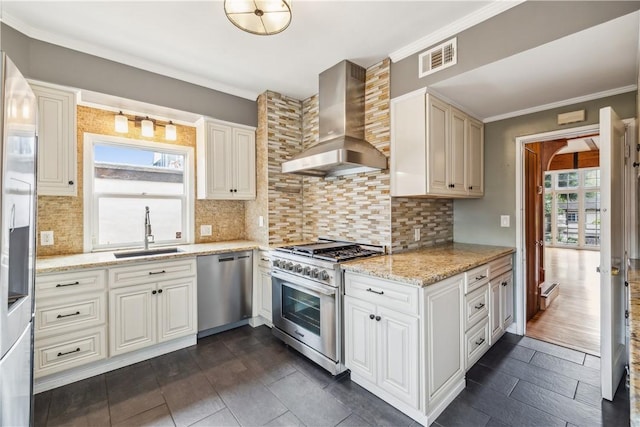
(56, 141)
(436, 149)
(226, 155)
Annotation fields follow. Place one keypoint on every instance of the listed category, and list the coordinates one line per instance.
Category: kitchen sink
(158, 251)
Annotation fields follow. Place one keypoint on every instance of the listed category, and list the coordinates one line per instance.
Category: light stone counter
(427, 266)
(52, 264)
(634, 352)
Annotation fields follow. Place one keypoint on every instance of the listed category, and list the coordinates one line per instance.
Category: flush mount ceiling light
(261, 17)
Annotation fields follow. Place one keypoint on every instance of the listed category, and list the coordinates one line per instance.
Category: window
(122, 177)
(592, 178)
(567, 180)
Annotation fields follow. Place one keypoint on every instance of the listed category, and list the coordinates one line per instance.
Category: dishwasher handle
(226, 259)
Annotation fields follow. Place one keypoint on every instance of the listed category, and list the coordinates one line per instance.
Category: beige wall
(64, 215)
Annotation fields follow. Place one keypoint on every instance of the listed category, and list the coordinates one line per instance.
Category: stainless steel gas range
(307, 298)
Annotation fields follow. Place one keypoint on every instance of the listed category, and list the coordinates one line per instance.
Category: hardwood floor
(573, 320)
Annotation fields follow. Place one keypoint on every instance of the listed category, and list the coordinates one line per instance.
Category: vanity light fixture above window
(147, 126)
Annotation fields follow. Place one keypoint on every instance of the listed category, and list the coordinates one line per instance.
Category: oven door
(306, 311)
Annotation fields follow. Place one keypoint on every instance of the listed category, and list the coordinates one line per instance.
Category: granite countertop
(53, 264)
(633, 276)
(427, 266)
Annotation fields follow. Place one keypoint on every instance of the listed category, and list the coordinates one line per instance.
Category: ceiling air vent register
(438, 58)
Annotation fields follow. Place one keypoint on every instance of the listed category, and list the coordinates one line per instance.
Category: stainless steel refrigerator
(17, 244)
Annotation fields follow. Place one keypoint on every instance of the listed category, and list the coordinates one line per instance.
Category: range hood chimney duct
(341, 148)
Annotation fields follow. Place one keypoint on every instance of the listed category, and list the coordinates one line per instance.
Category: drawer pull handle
(480, 341)
(62, 285)
(69, 352)
(479, 306)
(264, 259)
(299, 333)
(151, 273)
(60, 316)
(375, 292)
(482, 276)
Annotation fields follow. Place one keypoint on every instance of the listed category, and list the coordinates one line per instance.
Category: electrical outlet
(416, 234)
(504, 220)
(46, 238)
(205, 230)
(260, 221)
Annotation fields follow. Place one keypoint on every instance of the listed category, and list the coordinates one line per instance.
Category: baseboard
(100, 367)
(254, 322)
(455, 390)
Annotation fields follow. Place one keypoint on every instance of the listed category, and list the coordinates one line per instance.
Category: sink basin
(147, 252)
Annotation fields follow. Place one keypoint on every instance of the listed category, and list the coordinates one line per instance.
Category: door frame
(520, 325)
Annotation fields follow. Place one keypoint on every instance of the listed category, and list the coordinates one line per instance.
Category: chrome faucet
(148, 237)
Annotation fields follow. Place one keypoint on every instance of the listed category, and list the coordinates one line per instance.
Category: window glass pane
(567, 218)
(547, 180)
(592, 218)
(548, 205)
(592, 178)
(121, 220)
(131, 170)
(568, 180)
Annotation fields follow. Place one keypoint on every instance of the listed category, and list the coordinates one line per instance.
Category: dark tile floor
(247, 377)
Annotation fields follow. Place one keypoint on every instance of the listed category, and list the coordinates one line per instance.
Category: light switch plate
(505, 220)
(46, 238)
(205, 230)
(260, 221)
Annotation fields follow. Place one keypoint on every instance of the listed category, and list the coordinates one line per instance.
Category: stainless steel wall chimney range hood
(341, 148)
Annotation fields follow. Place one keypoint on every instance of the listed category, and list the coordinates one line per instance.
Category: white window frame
(581, 189)
(90, 199)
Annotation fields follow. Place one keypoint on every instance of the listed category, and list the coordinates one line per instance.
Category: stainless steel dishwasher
(225, 284)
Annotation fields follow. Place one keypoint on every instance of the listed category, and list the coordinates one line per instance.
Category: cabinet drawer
(71, 282)
(500, 266)
(60, 314)
(389, 294)
(69, 350)
(475, 278)
(476, 306)
(476, 343)
(151, 272)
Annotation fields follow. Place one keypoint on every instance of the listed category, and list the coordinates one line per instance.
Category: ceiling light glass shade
(147, 127)
(261, 17)
(26, 108)
(170, 133)
(122, 123)
(13, 108)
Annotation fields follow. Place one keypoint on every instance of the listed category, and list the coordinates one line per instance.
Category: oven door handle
(324, 290)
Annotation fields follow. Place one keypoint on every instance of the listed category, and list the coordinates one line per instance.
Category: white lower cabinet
(413, 358)
(264, 294)
(151, 312)
(501, 312)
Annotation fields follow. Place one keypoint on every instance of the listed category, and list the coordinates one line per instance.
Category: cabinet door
(444, 325)
(397, 355)
(219, 161)
(132, 318)
(456, 152)
(265, 294)
(176, 301)
(495, 314)
(360, 338)
(506, 298)
(437, 140)
(475, 158)
(244, 164)
(56, 142)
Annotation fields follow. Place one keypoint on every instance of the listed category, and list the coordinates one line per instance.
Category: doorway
(562, 223)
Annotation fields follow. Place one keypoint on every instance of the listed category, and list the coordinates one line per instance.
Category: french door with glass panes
(572, 208)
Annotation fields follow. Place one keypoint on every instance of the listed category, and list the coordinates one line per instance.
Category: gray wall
(521, 28)
(478, 220)
(55, 64)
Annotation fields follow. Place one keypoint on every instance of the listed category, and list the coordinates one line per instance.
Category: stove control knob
(297, 268)
(324, 275)
(306, 271)
(314, 273)
(276, 263)
(289, 266)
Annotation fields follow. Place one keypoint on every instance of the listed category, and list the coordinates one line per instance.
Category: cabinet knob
(154, 292)
(504, 283)
(471, 187)
(235, 190)
(231, 191)
(371, 316)
(378, 318)
(70, 182)
(159, 291)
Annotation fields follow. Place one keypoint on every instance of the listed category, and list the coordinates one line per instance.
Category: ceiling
(589, 64)
(194, 42)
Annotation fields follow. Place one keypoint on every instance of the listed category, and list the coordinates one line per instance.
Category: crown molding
(489, 11)
(566, 102)
(122, 58)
